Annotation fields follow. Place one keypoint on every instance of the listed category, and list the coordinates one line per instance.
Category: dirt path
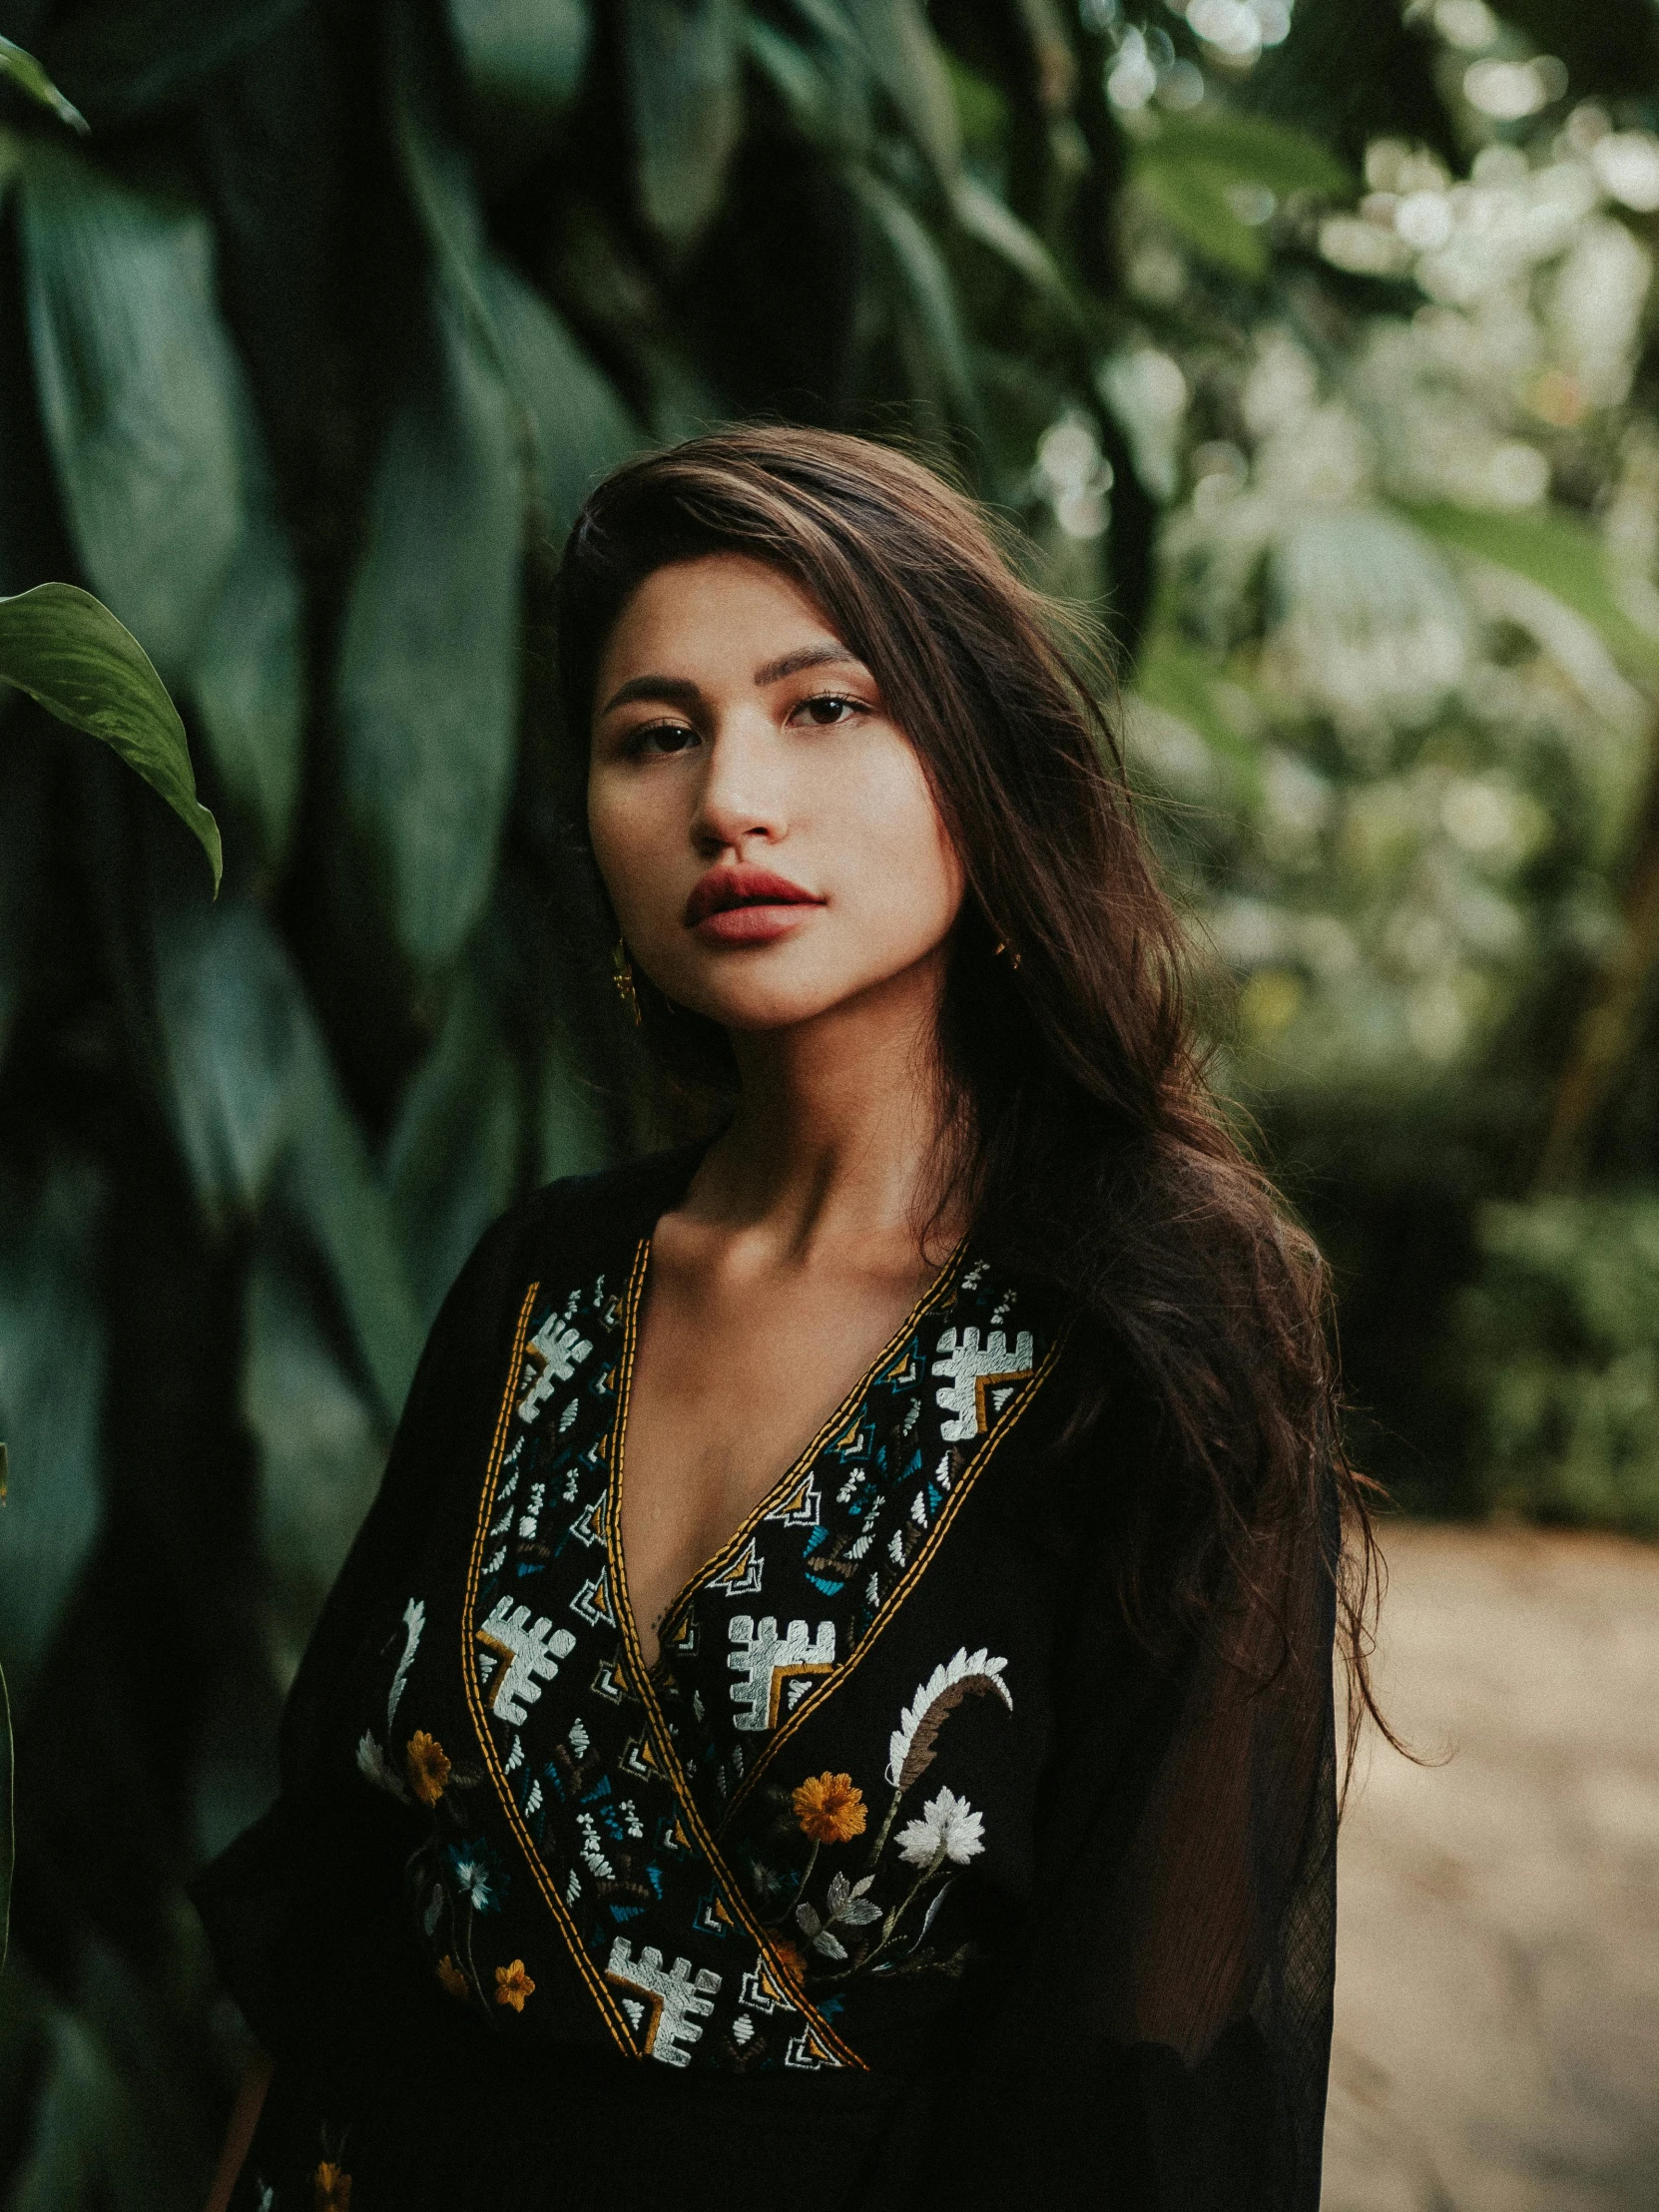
(1497, 1989)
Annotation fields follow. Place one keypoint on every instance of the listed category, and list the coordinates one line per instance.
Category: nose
(741, 797)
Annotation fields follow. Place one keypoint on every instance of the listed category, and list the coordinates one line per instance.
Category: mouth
(747, 906)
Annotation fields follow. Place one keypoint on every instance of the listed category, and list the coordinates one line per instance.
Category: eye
(829, 709)
(658, 739)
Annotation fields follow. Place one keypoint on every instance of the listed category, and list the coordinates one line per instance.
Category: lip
(747, 906)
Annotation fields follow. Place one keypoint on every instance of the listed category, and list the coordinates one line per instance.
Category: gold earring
(999, 949)
(622, 975)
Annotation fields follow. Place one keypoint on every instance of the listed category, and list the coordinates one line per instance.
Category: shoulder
(578, 1226)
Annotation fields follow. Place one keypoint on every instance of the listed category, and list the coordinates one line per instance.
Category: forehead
(714, 610)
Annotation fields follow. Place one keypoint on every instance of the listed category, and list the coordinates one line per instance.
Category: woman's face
(767, 838)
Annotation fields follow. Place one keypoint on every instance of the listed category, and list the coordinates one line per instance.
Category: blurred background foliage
(1312, 348)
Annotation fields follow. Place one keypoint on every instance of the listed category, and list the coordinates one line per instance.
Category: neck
(838, 1132)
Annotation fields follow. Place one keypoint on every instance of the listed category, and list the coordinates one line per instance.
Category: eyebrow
(678, 690)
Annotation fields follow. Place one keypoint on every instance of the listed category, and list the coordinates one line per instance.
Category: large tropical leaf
(427, 684)
(684, 67)
(230, 1009)
(322, 1443)
(532, 51)
(8, 1827)
(1556, 550)
(28, 74)
(247, 672)
(329, 1184)
(52, 1337)
(139, 392)
(58, 644)
(581, 428)
(1193, 170)
(924, 299)
(454, 1156)
(124, 58)
(906, 62)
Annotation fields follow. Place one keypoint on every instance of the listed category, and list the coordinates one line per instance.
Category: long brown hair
(1093, 1155)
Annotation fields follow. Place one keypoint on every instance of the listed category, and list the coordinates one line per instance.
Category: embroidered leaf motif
(910, 1748)
(830, 1946)
(858, 1912)
(806, 1919)
(841, 1891)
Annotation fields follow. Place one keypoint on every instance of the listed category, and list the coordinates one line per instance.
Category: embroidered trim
(815, 1698)
(646, 1687)
(720, 1562)
(597, 1986)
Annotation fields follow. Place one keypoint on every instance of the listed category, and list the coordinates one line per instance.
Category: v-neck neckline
(927, 1300)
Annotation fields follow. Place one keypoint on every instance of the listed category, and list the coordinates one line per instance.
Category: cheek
(908, 873)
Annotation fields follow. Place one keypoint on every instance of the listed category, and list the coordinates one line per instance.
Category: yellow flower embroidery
(791, 1959)
(429, 1767)
(453, 1979)
(330, 2189)
(829, 1809)
(513, 1985)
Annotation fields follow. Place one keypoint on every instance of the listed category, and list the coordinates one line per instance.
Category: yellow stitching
(848, 1406)
(474, 1698)
(672, 1768)
(815, 1698)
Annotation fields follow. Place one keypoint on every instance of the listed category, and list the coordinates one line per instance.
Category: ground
(1497, 1989)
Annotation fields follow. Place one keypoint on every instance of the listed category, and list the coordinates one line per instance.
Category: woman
(941, 1810)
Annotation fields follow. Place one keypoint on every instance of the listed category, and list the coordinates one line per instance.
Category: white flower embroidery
(473, 1879)
(910, 1747)
(375, 1767)
(949, 1825)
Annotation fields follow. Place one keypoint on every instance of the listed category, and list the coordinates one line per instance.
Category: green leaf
(1194, 165)
(329, 1184)
(1253, 151)
(230, 1011)
(126, 57)
(1192, 197)
(453, 1155)
(910, 66)
(27, 74)
(51, 1391)
(247, 672)
(924, 286)
(58, 644)
(427, 684)
(529, 50)
(985, 217)
(139, 392)
(1553, 549)
(8, 1822)
(686, 82)
(581, 428)
(321, 1443)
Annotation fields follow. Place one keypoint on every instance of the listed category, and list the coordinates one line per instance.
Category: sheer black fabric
(908, 1875)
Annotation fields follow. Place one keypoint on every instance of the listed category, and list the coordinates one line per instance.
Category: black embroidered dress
(902, 1877)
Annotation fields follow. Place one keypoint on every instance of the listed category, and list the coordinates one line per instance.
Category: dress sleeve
(1161, 2041)
(301, 1909)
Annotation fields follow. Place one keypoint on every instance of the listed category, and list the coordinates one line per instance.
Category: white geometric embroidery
(675, 1999)
(766, 1661)
(558, 1349)
(527, 1649)
(969, 1372)
(743, 1577)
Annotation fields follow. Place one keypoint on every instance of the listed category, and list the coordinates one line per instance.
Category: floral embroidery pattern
(427, 1767)
(513, 1985)
(849, 1930)
(830, 1809)
(330, 2188)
